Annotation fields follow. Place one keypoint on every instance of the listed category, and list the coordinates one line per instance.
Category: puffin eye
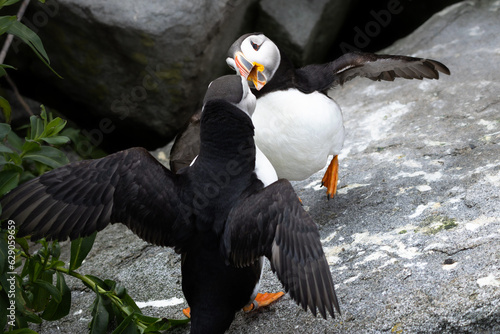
(255, 46)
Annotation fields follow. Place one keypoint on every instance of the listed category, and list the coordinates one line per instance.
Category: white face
(258, 59)
(248, 101)
(260, 49)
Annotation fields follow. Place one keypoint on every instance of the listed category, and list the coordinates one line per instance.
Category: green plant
(32, 284)
(37, 297)
(24, 159)
(11, 25)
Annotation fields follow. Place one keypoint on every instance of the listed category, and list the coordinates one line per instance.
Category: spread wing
(272, 223)
(368, 65)
(130, 187)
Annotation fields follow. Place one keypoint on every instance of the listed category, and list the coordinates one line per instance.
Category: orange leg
(331, 177)
(263, 299)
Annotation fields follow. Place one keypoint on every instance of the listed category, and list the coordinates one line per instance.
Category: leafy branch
(27, 280)
(12, 26)
(37, 299)
(23, 159)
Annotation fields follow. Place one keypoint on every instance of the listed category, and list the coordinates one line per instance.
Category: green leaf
(6, 23)
(55, 250)
(34, 42)
(51, 289)
(25, 271)
(35, 267)
(15, 141)
(36, 127)
(2, 73)
(5, 105)
(4, 128)
(57, 140)
(100, 316)
(29, 37)
(54, 127)
(7, 66)
(9, 179)
(127, 326)
(56, 310)
(43, 289)
(128, 301)
(4, 3)
(80, 249)
(49, 156)
(5, 149)
(23, 242)
(160, 325)
(30, 146)
(12, 164)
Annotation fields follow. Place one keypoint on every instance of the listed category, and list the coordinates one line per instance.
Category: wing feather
(372, 66)
(130, 187)
(272, 223)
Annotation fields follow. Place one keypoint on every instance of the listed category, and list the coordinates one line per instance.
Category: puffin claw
(263, 299)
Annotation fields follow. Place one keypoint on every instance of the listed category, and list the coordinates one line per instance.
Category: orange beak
(251, 71)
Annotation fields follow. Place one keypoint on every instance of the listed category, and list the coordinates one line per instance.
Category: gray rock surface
(413, 235)
(144, 65)
(305, 29)
(141, 67)
(150, 62)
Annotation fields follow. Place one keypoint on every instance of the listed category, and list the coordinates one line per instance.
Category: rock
(133, 67)
(305, 29)
(375, 24)
(413, 235)
(135, 72)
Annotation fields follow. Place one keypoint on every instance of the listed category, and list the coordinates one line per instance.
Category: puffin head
(235, 90)
(255, 57)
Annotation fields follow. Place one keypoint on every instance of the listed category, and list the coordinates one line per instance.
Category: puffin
(298, 127)
(219, 213)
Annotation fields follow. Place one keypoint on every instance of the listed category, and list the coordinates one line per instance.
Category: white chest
(297, 132)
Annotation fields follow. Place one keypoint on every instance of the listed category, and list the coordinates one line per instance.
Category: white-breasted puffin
(297, 126)
(217, 213)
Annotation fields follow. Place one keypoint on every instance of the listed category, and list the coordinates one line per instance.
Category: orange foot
(263, 299)
(331, 177)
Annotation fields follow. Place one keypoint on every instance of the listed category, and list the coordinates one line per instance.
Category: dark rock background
(134, 71)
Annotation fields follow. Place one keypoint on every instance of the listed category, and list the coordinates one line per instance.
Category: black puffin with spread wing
(218, 213)
(297, 126)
